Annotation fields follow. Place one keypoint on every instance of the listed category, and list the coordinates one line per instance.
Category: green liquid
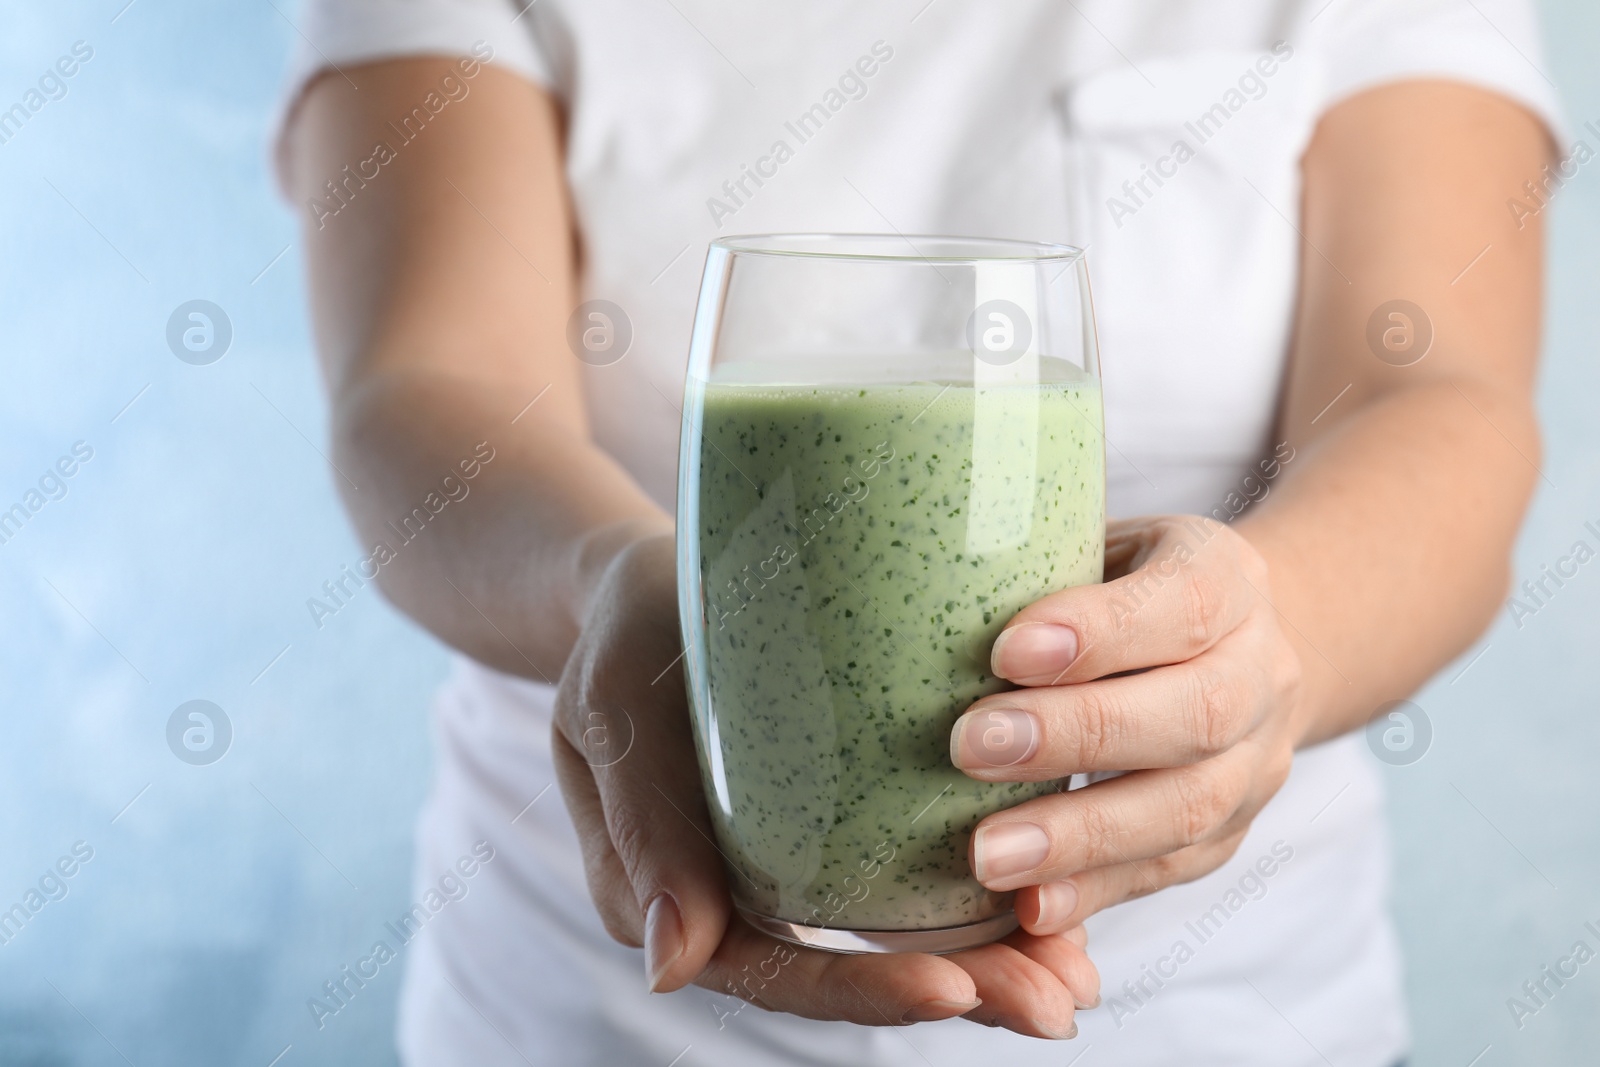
(860, 547)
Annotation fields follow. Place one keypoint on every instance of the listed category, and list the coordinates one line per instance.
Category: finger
(1020, 992)
(1023, 983)
(609, 886)
(635, 739)
(1137, 816)
(1062, 954)
(868, 989)
(1165, 717)
(1193, 581)
(1054, 906)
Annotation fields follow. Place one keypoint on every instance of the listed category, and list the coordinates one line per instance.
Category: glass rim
(896, 248)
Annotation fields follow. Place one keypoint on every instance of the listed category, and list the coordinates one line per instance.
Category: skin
(440, 296)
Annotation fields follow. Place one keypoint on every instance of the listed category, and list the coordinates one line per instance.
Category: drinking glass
(890, 446)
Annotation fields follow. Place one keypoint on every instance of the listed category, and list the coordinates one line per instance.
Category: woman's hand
(625, 756)
(1208, 725)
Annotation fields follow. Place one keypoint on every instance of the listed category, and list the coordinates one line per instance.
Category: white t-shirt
(1165, 137)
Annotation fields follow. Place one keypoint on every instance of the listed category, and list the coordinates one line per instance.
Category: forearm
(1388, 540)
(505, 567)
(440, 298)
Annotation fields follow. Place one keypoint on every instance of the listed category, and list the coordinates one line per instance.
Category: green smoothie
(859, 547)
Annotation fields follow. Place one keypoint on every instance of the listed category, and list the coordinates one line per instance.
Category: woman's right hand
(625, 758)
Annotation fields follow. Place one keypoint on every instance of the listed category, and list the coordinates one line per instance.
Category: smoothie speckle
(850, 598)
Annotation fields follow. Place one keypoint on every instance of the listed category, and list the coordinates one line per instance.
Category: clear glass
(890, 445)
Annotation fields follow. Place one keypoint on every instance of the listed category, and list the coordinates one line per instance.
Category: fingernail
(1090, 1006)
(1032, 649)
(663, 937)
(1007, 849)
(1056, 901)
(933, 1010)
(994, 737)
(1059, 1035)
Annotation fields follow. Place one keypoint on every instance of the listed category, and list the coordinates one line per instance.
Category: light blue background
(178, 565)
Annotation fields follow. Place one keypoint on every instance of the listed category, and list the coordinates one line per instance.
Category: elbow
(1544, 585)
(1496, 587)
(1481, 614)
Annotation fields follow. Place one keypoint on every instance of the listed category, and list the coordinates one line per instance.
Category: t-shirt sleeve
(1492, 44)
(331, 34)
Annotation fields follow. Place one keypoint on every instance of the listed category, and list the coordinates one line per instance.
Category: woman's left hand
(1207, 727)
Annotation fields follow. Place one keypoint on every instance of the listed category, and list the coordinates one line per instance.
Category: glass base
(945, 939)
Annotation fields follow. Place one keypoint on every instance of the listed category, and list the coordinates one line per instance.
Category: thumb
(632, 782)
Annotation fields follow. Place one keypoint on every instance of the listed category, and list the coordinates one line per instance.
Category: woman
(1319, 323)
